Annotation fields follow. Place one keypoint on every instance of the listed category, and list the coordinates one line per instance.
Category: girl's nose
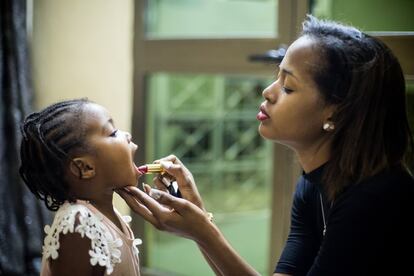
(128, 136)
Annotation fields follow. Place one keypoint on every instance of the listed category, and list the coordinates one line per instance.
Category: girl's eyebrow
(110, 122)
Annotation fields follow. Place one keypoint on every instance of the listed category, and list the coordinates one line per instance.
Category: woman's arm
(218, 253)
(223, 257)
(185, 219)
(212, 265)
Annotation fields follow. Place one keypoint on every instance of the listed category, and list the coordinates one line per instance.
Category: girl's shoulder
(78, 218)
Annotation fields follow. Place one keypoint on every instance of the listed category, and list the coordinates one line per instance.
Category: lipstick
(151, 168)
(169, 183)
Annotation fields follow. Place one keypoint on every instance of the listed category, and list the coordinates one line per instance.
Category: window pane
(211, 18)
(209, 122)
(368, 15)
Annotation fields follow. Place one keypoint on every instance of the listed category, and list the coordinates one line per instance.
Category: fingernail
(166, 182)
(147, 188)
(155, 194)
(166, 164)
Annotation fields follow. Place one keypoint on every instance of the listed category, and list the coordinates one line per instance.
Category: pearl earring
(328, 126)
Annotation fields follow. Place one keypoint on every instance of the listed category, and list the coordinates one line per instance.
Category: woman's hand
(168, 213)
(183, 218)
(185, 180)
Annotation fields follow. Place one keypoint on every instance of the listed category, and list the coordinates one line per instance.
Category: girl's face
(113, 150)
(294, 112)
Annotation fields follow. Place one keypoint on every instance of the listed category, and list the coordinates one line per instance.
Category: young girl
(73, 158)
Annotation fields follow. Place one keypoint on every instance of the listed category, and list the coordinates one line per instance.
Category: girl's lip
(133, 154)
(138, 170)
(262, 115)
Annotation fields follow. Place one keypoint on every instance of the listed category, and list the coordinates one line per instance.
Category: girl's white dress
(111, 248)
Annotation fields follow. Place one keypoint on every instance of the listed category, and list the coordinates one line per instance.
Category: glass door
(196, 95)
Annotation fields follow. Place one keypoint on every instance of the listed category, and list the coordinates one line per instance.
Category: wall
(84, 49)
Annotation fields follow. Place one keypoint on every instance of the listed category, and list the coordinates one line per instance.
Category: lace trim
(136, 242)
(104, 248)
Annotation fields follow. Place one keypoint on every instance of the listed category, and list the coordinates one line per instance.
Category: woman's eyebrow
(288, 72)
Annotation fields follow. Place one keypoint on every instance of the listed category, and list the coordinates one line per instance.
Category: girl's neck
(103, 203)
(106, 207)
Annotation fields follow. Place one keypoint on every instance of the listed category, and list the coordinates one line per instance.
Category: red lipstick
(151, 168)
(262, 115)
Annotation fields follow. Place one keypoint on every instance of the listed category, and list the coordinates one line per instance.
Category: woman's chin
(264, 132)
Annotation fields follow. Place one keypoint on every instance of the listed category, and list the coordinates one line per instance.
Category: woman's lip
(262, 115)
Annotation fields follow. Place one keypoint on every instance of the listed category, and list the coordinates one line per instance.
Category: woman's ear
(329, 111)
(82, 167)
(329, 125)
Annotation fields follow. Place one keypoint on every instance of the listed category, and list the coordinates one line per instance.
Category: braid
(49, 136)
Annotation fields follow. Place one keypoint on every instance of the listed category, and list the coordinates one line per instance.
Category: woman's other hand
(183, 218)
(168, 213)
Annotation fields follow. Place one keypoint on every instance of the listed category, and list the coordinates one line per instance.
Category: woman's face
(294, 112)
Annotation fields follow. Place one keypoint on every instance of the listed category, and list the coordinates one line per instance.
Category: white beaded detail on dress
(104, 248)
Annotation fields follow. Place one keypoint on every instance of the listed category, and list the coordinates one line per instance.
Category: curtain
(22, 216)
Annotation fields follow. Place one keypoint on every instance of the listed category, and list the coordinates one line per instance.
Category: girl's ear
(82, 167)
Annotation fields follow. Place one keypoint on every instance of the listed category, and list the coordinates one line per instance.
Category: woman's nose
(269, 93)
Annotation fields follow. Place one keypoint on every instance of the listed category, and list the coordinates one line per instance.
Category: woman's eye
(113, 134)
(286, 90)
(277, 74)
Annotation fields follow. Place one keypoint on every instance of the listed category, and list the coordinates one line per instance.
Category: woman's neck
(313, 157)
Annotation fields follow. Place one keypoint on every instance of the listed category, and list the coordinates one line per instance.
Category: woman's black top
(369, 228)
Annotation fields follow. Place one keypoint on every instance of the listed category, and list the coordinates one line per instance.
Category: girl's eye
(113, 134)
(286, 90)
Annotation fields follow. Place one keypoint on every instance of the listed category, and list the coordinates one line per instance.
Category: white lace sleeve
(104, 248)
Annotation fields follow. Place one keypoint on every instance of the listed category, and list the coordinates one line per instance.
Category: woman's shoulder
(76, 217)
(389, 189)
(394, 180)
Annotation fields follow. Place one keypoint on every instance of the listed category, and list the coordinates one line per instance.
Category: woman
(339, 103)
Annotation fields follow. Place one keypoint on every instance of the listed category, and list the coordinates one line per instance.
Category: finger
(147, 188)
(178, 204)
(178, 171)
(173, 166)
(137, 207)
(160, 183)
(172, 158)
(155, 208)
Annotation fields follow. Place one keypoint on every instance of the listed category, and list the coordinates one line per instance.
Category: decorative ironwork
(210, 123)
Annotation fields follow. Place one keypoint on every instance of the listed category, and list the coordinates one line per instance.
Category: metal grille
(209, 122)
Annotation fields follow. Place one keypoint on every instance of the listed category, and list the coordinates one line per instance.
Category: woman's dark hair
(361, 76)
(49, 138)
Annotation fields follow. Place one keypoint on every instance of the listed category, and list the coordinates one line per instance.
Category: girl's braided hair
(49, 137)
